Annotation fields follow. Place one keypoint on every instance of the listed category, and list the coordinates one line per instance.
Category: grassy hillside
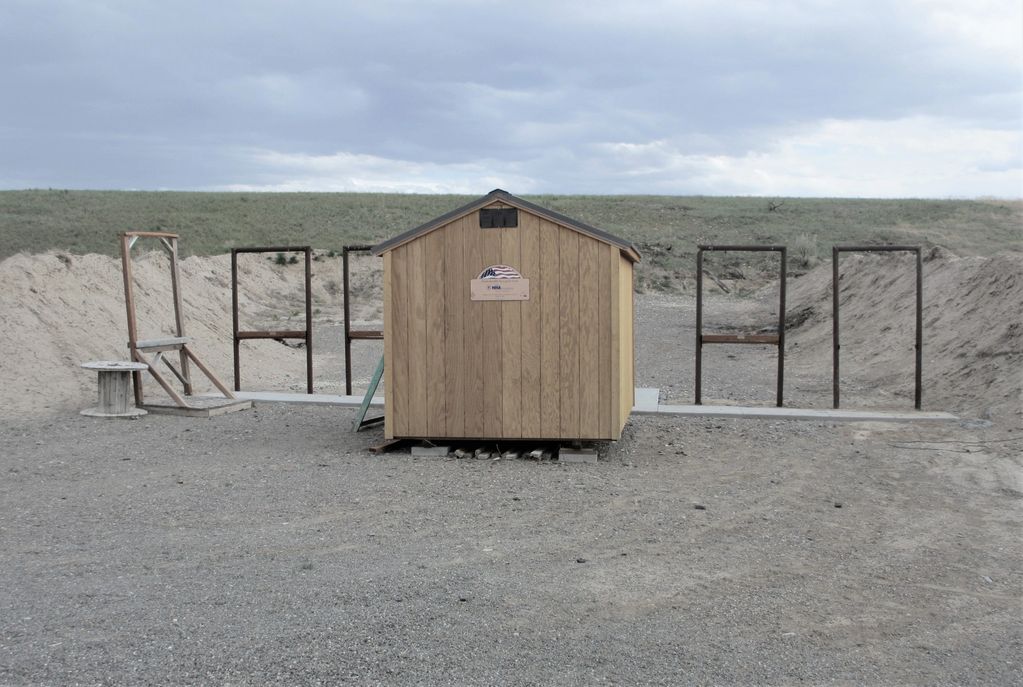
(666, 228)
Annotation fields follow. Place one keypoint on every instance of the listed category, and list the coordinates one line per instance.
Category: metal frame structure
(350, 334)
(277, 334)
(770, 339)
(835, 252)
(179, 342)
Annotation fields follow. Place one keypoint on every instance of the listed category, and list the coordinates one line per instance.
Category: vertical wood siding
(418, 408)
(616, 336)
(549, 300)
(532, 310)
(589, 339)
(472, 331)
(399, 350)
(454, 328)
(437, 400)
(511, 340)
(568, 241)
(388, 348)
(607, 425)
(556, 366)
(493, 346)
(626, 371)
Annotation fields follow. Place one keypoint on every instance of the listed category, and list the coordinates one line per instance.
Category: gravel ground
(269, 546)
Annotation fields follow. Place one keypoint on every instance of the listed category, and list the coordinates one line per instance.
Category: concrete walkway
(647, 403)
(773, 413)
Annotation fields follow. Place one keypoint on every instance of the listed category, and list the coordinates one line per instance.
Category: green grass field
(667, 229)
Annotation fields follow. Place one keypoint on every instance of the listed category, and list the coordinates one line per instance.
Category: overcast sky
(919, 98)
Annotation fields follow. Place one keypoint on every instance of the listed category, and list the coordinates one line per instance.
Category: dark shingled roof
(504, 197)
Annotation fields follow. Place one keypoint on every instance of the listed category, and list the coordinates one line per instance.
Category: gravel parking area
(269, 546)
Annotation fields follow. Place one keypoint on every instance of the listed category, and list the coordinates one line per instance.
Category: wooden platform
(203, 406)
(308, 399)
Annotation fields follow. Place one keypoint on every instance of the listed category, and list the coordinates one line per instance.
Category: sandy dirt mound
(59, 311)
(62, 310)
(972, 337)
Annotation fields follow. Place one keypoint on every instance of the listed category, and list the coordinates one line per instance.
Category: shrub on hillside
(804, 251)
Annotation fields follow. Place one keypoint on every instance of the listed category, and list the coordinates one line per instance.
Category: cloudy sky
(919, 98)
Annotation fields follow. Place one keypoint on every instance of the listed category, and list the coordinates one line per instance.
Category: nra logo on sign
(499, 283)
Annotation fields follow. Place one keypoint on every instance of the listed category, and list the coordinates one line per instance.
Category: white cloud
(912, 157)
(369, 173)
(986, 26)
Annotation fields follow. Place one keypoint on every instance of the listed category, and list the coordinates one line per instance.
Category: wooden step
(168, 344)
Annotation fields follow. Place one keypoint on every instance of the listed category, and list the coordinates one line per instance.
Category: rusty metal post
(834, 326)
(781, 326)
(234, 319)
(918, 392)
(699, 325)
(348, 314)
(309, 319)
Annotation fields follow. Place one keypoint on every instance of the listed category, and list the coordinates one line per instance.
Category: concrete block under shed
(577, 455)
(430, 451)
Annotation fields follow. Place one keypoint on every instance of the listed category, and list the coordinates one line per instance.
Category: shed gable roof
(498, 195)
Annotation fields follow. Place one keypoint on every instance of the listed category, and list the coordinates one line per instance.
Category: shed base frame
(200, 406)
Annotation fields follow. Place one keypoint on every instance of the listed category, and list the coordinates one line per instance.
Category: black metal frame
(769, 339)
(280, 335)
(835, 251)
(350, 335)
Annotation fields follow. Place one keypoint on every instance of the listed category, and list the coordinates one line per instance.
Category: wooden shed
(505, 320)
